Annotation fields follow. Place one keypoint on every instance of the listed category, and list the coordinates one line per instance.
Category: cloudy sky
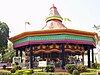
(82, 13)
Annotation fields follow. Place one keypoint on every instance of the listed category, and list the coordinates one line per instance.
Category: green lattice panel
(55, 37)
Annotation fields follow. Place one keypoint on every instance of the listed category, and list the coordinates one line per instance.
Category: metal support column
(21, 55)
(82, 59)
(62, 56)
(16, 52)
(31, 66)
(92, 56)
(88, 53)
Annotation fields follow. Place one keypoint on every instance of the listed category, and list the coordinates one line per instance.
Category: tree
(9, 53)
(4, 34)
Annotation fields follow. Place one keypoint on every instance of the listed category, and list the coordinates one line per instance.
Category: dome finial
(53, 5)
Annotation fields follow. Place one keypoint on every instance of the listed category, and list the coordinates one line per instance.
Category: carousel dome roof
(54, 20)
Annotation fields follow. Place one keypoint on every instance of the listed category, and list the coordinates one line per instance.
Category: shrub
(91, 70)
(4, 67)
(23, 72)
(75, 72)
(19, 72)
(16, 63)
(31, 71)
(50, 73)
(70, 67)
(50, 68)
(4, 72)
(13, 70)
(88, 73)
(28, 72)
(98, 65)
(81, 68)
(18, 67)
(94, 65)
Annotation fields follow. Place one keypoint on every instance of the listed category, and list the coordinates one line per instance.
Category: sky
(82, 13)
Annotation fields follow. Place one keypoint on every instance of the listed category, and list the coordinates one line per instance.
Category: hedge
(87, 73)
(50, 73)
(4, 72)
(23, 72)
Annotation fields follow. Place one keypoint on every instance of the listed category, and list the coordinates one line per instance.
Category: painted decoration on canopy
(54, 38)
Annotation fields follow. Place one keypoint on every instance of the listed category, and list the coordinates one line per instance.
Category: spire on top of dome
(54, 14)
(54, 20)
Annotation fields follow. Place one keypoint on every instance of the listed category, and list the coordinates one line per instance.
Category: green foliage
(81, 68)
(4, 72)
(28, 72)
(50, 68)
(4, 67)
(31, 71)
(70, 67)
(13, 70)
(23, 72)
(17, 67)
(75, 72)
(19, 72)
(38, 70)
(94, 65)
(4, 34)
(90, 73)
(51, 73)
(9, 53)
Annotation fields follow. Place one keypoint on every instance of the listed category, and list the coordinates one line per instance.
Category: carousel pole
(30, 55)
(88, 53)
(82, 58)
(21, 54)
(62, 56)
(92, 56)
(31, 66)
(16, 52)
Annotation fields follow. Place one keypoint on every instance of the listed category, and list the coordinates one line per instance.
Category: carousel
(55, 42)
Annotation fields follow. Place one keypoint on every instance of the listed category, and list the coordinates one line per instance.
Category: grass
(39, 71)
(51, 73)
(88, 73)
(91, 71)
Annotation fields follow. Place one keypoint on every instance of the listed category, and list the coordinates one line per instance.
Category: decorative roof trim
(54, 18)
(54, 41)
(56, 31)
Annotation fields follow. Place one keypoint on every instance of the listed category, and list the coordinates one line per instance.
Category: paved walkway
(60, 70)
